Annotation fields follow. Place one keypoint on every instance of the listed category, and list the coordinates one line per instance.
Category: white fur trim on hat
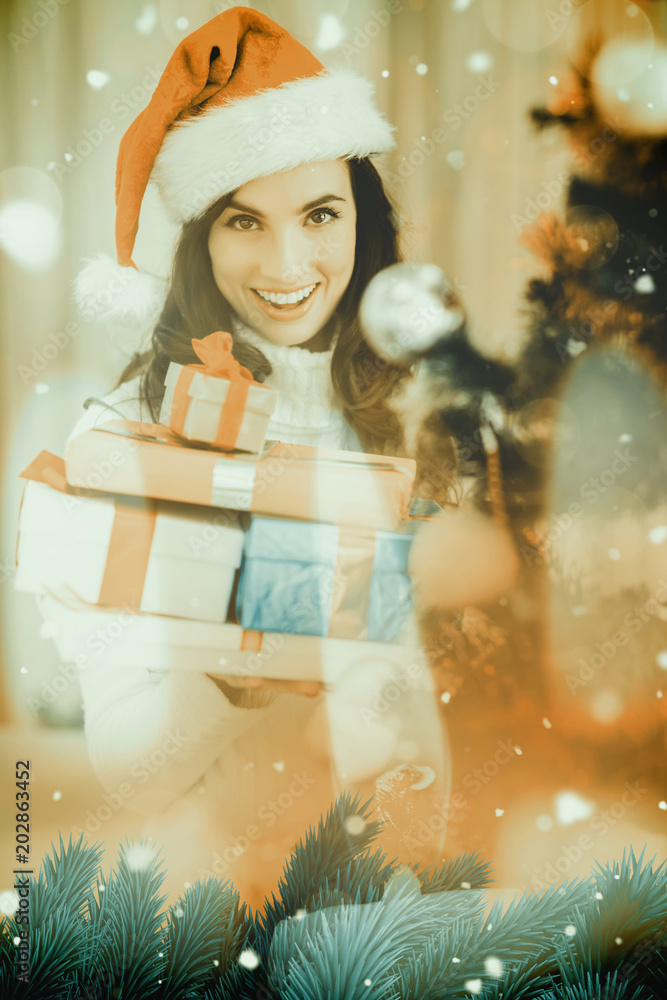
(316, 118)
(111, 294)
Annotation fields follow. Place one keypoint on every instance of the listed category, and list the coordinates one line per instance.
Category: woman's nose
(290, 255)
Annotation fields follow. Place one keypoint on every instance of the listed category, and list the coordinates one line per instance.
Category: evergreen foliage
(345, 924)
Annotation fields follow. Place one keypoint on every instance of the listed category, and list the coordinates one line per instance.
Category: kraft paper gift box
(217, 402)
(286, 480)
(168, 558)
(120, 637)
(321, 579)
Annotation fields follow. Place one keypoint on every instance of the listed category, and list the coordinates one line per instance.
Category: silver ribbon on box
(233, 484)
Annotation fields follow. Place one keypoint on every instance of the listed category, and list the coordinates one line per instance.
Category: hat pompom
(110, 294)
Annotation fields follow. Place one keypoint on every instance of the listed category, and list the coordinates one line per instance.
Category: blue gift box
(321, 579)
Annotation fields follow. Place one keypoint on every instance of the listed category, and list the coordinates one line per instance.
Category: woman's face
(283, 250)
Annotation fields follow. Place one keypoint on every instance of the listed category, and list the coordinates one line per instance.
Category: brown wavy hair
(195, 307)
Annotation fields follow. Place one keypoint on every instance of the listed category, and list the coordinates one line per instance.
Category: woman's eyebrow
(320, 201)
(239, 207)
(245, 208)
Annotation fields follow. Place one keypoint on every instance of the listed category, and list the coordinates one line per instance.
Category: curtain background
(457, 78)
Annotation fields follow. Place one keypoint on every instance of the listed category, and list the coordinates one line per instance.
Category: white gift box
(100, 549)
(207, 396)
(119, 637)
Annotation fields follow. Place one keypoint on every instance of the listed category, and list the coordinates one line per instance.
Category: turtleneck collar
(307, 402)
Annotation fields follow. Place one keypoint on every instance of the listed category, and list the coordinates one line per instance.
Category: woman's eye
(322, 215)
(242, 222)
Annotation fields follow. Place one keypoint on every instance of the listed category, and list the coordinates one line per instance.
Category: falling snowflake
(421, 69)
(147, 20)
(570, 930)
(279, 765)
(9, 902)
(249, 959)
(355, 825)
(494, 966)
(330, 34)
(456, 159)
(97, 79)
(479, 62)
(57, 796)
(139, 857)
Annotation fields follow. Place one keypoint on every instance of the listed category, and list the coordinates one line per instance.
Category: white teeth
(284, 298)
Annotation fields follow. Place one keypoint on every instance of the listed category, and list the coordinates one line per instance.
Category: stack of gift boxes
(193, 544)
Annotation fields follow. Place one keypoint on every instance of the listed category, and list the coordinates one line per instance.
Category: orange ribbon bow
(215, 352)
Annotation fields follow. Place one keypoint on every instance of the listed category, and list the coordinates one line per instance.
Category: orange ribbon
(251, 641)
(215, 352)
(128, 554)
(131, 535)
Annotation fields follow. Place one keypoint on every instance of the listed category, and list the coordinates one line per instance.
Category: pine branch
(57, 939)
(125, 927)
(592, 986)
(200, 945)
(452, 874)
(531, 927)
(355, 951)
(317, 859)
(362, 880)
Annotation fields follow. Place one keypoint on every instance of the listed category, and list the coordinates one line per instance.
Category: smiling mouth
(286, 301)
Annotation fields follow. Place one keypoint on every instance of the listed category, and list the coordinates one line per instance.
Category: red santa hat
(240, 98)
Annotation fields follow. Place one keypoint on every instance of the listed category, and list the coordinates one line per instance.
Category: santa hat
(239, 99)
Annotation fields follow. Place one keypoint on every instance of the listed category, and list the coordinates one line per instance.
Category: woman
(263, 158)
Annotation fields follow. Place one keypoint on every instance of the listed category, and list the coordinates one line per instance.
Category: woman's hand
(308, 688)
